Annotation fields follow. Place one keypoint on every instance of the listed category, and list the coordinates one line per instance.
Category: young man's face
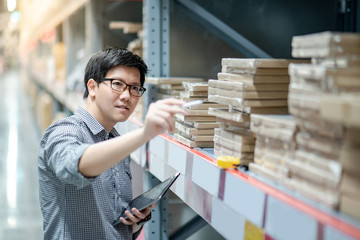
(116, 106)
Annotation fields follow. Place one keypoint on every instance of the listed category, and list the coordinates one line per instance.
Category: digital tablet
(150, 197)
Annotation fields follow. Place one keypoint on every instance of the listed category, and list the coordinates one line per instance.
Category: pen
(192, 103)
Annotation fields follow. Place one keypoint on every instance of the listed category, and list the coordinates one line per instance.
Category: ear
(92, 85)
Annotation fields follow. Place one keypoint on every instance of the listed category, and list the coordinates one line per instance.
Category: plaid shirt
(74, 206)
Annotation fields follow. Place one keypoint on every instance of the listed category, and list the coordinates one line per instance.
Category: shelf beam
(229, 35)
(188, 229)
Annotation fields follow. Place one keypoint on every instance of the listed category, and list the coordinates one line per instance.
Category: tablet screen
(150, 197)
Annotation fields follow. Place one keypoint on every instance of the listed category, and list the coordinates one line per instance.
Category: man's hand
(160, 116)
(137, 216)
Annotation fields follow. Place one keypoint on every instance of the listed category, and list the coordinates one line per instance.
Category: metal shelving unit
(189, 38)
(237, 204)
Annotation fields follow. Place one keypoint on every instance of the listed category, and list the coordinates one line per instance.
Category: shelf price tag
(253, 232)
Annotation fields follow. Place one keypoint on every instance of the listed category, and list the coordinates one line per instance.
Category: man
(84, 173)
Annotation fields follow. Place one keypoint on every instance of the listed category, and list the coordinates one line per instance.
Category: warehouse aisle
(20, 216)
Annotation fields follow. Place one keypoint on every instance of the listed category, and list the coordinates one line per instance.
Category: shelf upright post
(156, 56)
(93, 26)
(165, 38)
(69, 39)
(156, 43)
(157, 227)
(74, 38)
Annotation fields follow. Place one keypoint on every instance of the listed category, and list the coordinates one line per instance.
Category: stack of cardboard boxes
(275, 140)
(170, 87)
(323, 166)
(196, 128)
(245, 87)
(338, 57)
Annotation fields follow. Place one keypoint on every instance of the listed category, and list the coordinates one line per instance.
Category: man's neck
(98, 116)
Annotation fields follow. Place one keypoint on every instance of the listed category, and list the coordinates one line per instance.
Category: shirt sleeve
(141, 223)
(137, 234)
(62, 152)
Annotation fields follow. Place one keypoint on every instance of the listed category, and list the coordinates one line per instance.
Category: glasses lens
(118, 85)
(134, 90)
(141, 91)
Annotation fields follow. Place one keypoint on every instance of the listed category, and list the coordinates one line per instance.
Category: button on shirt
(74, 206)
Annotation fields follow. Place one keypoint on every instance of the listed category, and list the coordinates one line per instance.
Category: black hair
(104, 60)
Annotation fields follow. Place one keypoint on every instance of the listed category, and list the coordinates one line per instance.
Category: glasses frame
(127, 86)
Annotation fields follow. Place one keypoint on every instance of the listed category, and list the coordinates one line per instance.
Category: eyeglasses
(120, 86)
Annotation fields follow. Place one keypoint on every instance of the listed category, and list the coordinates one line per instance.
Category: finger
(126, 222)
(138, 214)
(169, 116)
(172, 101)
(171, 109)
(171, 122)
(131, 217)
(147, 210)
(165, 111)
(170, 126)
(162, 112)
(170, 105)
(161, 122)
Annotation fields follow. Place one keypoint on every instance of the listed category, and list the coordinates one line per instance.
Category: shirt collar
(93, 124)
